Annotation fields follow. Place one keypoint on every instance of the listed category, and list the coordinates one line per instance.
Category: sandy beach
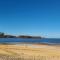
(29, 52)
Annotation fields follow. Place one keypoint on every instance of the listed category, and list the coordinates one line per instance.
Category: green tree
(1, 34)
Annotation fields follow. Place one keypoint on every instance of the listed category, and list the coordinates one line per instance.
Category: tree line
(3, 35)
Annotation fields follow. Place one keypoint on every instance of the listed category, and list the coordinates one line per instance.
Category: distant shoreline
(2, 35)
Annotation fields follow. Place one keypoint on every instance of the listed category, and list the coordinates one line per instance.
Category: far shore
(3, 35)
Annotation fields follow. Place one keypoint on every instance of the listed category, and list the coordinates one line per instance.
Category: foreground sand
(25, 52)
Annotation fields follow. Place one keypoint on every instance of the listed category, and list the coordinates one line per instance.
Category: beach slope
(26, 52)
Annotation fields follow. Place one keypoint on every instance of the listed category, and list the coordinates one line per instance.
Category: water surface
(20, 40)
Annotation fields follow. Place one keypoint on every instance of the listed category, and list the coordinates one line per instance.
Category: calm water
(18, 40)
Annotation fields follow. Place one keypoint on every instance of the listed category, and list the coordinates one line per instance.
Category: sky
(30, 17)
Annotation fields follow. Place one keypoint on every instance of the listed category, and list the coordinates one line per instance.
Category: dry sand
(29, 52)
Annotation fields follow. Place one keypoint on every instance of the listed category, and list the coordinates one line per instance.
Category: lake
(20, 40)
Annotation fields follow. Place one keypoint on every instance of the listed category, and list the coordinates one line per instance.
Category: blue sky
(30, 17)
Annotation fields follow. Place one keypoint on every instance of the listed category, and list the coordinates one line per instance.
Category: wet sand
(29, 52)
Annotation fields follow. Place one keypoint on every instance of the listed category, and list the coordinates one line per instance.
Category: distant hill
(34, 37)
(2, 35)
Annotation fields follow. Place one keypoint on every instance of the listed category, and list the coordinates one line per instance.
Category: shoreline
(26, 43)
